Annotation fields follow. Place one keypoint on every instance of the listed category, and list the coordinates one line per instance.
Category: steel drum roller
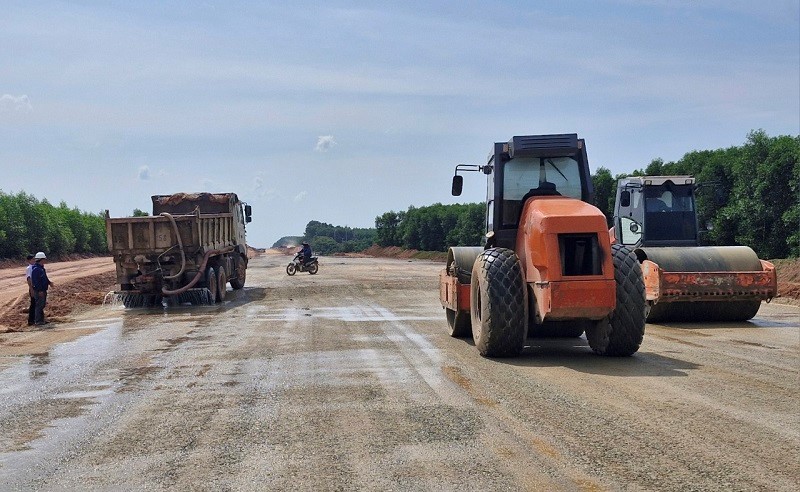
(704, 259)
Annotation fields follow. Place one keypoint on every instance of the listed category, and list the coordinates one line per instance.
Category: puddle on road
(105, 389)
(57, 375)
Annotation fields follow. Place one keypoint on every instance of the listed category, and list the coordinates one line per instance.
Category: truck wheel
(240, 274)
(222, 284)
(213, 287)
(621, 332)
(291, 269)
(459, 322)
(499, 304)
(313, 268)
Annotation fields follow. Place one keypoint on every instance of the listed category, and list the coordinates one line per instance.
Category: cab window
(542, 175)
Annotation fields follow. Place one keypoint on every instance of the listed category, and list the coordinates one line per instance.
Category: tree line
(432, 228)
(326, 239)
(28, 225)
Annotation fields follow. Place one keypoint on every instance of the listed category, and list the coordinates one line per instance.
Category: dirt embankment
(77, 284)
(788, 279)
(404, 254)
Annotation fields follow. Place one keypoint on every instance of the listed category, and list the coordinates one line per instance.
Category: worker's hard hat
(40, 256)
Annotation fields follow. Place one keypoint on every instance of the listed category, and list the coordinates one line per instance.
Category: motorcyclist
(306, 251)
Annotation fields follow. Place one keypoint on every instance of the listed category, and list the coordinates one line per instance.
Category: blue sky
(340, 111)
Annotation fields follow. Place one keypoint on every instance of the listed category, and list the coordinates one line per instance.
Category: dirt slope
(78, 284)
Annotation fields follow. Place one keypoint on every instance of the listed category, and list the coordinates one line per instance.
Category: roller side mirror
(458, 185)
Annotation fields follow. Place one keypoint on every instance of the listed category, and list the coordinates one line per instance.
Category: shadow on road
(575, 354)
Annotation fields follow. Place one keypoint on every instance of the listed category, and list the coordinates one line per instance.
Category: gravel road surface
(347, 380)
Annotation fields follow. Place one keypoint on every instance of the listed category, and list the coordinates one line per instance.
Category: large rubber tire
(313, 268)
(704, 311)
(621, 333)
(213, 285)
(241, 273)
(459, 323)
(291, 269)
(499, 304)
(222, 284)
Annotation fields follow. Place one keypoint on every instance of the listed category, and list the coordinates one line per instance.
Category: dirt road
(347, 380)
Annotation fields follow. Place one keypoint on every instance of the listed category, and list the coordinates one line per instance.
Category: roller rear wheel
(621, 333)
(499, 304)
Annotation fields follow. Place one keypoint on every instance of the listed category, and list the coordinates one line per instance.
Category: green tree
(605, 189)
(324, 245)
(387, 229)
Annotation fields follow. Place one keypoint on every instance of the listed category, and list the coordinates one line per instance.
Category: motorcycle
(298, 265)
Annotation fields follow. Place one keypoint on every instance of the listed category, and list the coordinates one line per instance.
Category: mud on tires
(213, 285)
(240, 273)
(499, 304)
(222, 284)
(621, 333)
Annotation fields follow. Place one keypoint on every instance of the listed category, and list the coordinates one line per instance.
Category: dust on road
(347, 380)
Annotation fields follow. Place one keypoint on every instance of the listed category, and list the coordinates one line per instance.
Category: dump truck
(547, 267)
(684, 281)
(187, 251)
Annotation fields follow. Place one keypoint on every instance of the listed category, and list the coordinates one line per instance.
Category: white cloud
(9, 103)
(144, 173)
(301, 196)
(325, 143)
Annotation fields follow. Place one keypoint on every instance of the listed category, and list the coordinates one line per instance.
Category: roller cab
(656, 215)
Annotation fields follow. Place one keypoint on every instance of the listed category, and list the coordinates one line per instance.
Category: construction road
(347, 380)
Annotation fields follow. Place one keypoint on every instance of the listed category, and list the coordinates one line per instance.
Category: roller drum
(460, 260)
(704, 259)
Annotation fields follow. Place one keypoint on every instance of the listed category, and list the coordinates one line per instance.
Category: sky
(339, 111)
